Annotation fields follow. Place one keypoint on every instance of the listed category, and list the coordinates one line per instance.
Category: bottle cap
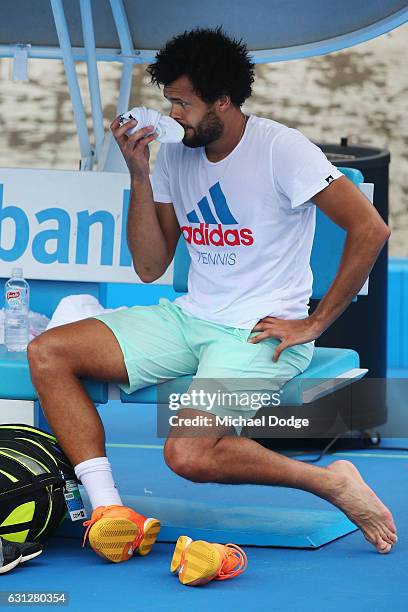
(17, 273)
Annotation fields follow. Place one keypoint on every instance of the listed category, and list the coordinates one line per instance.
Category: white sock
(96, 476)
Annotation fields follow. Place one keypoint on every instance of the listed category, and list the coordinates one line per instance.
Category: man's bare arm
(367, 233)
(152, 229)
(347, 206)
(152, 233)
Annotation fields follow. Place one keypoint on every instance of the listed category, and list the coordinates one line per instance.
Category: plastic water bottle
(16, 307)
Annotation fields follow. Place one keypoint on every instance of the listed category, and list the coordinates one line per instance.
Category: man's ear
(223, 103)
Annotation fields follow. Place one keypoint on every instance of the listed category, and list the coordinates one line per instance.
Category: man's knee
(44, 353)
(185, 457)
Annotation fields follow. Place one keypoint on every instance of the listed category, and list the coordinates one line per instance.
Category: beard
(208, 130)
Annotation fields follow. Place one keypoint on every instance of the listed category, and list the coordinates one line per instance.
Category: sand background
(360, 93)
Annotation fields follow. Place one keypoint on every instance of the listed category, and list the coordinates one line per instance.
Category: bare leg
(58, 359)
(229, 459)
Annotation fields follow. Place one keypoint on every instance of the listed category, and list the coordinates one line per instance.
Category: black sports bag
(32, 472)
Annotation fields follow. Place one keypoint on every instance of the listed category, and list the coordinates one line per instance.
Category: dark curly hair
(215, 64)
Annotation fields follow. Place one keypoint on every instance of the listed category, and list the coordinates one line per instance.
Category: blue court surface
(346, 573)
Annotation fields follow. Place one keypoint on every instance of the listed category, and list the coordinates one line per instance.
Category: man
(243, 191)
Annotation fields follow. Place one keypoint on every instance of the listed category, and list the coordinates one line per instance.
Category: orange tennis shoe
(198, 562)
(117, 532)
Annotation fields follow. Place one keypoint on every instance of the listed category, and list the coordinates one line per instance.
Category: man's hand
(134, 148)
(289, 332)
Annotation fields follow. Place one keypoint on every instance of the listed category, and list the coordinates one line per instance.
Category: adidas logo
(204, 235)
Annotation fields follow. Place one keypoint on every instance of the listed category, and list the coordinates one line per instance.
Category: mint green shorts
(163, 342)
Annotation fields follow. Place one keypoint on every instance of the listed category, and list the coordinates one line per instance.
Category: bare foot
(355, 498)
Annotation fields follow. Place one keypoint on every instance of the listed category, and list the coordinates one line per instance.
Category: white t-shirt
(248, 222)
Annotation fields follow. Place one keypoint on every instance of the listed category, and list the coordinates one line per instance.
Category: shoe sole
(201, 563)
(25, 558)
(6, 568)
(181, 545)
(151, 530)
(112, 538)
